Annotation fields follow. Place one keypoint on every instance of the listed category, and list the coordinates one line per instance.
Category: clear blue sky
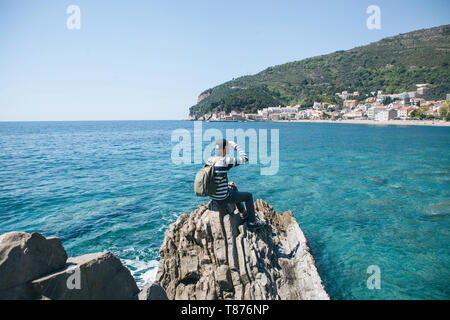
(150, 59)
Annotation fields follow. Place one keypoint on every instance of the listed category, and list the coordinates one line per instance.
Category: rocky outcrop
(210, 254)
(24, 257)
(153, 291)
(33, 267)
(96, 276)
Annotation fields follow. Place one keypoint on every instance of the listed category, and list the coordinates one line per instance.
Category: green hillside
(393, 64)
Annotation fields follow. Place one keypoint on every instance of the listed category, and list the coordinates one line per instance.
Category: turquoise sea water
(363, 195)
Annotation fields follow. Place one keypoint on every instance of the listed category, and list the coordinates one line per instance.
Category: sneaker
(255, 225)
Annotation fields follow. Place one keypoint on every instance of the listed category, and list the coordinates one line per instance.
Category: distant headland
(398, 78)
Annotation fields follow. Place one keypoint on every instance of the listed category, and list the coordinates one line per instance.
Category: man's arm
(234, 162)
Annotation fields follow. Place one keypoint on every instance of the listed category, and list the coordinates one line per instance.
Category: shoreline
(383, 123)
(429, 123)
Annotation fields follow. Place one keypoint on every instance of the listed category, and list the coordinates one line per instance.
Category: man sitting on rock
(228, 192)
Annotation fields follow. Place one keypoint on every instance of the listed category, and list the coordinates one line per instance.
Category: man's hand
(232, 185)
(232, 144)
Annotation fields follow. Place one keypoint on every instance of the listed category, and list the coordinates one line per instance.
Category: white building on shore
(373, 111)
(386, 115)
(403, 112)
(353, 115)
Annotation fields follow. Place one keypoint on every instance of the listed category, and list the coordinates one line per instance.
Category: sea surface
(363, 195)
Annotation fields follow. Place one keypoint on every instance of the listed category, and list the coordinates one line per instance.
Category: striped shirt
(223, 164)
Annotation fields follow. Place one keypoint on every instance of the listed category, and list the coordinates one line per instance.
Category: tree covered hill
(394, 64)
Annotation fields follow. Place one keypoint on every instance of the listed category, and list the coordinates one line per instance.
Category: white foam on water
(150, 275)
(144, 272)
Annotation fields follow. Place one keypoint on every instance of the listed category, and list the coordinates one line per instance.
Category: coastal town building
(290, 110)
(373, 111)
(350, 103)
(417, 101)
(422, 90)
(431, 112)
(275, 116)
(403, 112)
(332, 107)
(314, 114)
(412, 94)
(344, 95)
(353, 115)
(401, 106)
(253, 117)
(317, 105)
(235, 116)
(385, 115)
(277, 110)
(362, 107)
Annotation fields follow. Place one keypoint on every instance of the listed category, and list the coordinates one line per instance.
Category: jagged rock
(102, 276)
(33, 267)
(210, 254)
(152, 291)
(24, 257)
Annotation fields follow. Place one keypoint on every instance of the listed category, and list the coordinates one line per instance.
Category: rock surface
(33, 267)
(210, 254)
(101, 277)
(24, 257)
(152, 291)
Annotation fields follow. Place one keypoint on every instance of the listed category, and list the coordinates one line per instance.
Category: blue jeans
(237, 197)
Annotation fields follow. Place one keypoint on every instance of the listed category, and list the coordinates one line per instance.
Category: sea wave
(144, 272)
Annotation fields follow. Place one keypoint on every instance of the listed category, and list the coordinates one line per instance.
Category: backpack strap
(212, 162)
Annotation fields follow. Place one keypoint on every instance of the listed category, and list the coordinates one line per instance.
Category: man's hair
(220, 147)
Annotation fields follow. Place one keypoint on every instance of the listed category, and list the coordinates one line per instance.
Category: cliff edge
(210, 254)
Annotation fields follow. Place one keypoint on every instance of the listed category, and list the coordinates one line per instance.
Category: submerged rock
(210, 254)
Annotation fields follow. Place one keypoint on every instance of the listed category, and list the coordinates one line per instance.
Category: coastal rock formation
(33, 267)
(101, 276)
(153, 291)
(24, 257)
(210, 254)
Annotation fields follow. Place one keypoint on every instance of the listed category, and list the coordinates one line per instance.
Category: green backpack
(204, 185)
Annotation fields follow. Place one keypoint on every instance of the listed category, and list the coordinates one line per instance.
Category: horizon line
(90, 120)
